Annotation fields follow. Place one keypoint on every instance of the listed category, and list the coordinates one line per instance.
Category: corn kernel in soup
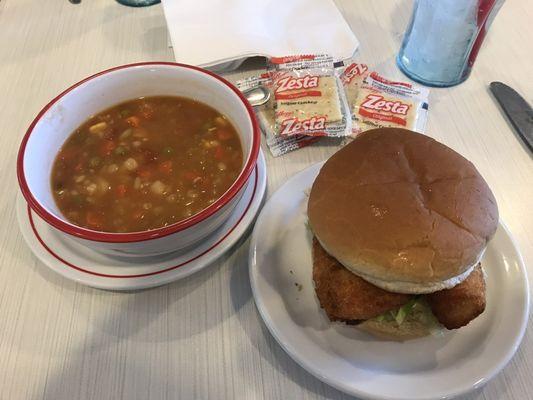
(145, 164)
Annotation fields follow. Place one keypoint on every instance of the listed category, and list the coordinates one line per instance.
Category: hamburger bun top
(398, 206)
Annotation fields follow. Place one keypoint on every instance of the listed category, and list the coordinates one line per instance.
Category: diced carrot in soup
(166, 167)
(121, 190)
(115, 175)
(133, 121)
(107, 147)
(190, 175)
(219, 153)
(224, 134)
(94, 220)
(145, 172)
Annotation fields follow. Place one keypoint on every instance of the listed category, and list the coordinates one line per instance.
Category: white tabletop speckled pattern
(202, 337)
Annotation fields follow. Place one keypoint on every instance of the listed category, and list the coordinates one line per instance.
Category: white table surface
(202, 337)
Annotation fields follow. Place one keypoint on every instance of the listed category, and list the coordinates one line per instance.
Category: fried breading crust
(345, 296)
(458, 306)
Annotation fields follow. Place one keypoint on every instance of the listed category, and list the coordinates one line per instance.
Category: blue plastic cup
(443, 38)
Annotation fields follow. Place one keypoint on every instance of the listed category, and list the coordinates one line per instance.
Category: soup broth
(145, 164)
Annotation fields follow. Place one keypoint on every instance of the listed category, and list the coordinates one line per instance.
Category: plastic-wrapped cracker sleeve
(308, 98)
(376, 102)
(278, 145)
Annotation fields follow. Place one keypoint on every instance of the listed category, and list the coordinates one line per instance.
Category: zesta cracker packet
(308, 97)
(376, 102)
(278, 145)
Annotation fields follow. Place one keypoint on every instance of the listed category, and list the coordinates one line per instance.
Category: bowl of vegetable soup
(140, 160)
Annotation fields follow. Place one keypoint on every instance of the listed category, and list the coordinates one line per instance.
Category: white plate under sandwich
(355, 362)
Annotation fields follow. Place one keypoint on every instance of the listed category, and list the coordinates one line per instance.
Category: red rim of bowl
(110, 237)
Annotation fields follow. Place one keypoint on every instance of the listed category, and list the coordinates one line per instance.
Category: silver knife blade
(517, 109)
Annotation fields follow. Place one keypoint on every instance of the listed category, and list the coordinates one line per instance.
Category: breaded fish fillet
(458, 306)
(345, 296)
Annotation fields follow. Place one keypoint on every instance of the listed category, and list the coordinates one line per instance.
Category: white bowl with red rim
(59, 118)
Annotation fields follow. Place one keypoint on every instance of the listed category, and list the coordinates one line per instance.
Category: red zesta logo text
(377, 102)
(291, 83)
(374, 105)
(292, 126)
(352, 71)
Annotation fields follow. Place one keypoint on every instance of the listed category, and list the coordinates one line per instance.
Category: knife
(517, 109)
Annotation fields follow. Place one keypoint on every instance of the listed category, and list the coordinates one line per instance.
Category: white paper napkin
(211, 33)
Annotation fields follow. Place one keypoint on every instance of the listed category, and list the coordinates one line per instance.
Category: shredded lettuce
(415, 310)
(380, 318)
(404, 311)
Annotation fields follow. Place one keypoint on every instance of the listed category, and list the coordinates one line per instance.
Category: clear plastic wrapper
(352, 77)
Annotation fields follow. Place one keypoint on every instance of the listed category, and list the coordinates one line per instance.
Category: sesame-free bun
(398, 206)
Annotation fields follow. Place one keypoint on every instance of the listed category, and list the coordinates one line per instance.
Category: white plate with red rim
(355, 362)
(83, 265)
